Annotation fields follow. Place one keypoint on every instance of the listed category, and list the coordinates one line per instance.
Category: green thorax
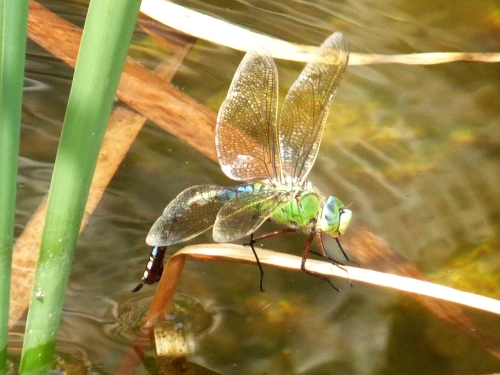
(302, 211)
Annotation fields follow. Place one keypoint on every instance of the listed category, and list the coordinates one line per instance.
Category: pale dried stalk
(164, 296)
(233, 36)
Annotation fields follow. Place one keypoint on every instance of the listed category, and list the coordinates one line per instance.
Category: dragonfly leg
(304, 259)
(263, 237)
(328, 258)
(275, 233)
(252, 242)
(344, 253)
(331, 260)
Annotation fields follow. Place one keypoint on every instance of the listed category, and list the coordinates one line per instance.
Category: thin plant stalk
(103, 50)
(165, 292)
(228, 34)
(13, 23)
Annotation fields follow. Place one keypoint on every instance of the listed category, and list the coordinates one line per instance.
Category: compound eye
(345, 220)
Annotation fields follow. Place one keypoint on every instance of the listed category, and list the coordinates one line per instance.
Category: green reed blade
(106, 36)
(13, 21)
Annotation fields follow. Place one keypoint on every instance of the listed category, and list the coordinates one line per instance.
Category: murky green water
(414, 151)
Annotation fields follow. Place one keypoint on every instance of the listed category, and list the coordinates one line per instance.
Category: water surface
(413, 151)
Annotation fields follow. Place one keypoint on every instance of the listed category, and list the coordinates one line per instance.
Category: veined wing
(192, 212)
(246, 212)
(245, 135)
(306, 107)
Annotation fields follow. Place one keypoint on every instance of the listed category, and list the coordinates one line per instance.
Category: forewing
(192, 212)
(246, 212)
(306, 106)
(245, 135)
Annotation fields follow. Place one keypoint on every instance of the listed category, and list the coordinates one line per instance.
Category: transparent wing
(245, 135)
(245, 213)
(192, 212)
(306, 106)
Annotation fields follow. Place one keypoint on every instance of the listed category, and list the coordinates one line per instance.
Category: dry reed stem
(233, 36)
(164, 296)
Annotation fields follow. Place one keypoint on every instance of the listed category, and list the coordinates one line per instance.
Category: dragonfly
(271, 157)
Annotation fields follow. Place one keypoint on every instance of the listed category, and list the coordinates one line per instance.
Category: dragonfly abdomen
(154, 268)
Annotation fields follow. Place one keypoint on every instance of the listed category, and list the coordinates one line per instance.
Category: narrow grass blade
(105, 40)
(13, 23)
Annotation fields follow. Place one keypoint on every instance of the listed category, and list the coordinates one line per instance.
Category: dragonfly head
(335, 218)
